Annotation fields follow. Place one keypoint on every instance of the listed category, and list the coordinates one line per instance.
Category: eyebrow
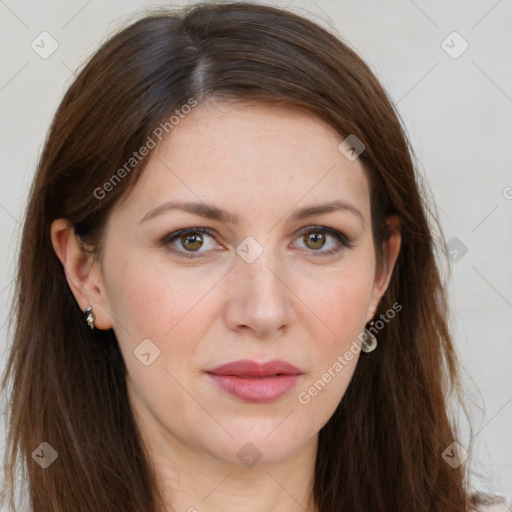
(212, 212)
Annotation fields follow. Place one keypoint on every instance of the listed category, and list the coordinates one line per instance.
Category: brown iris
(196, 241)
(316, 239)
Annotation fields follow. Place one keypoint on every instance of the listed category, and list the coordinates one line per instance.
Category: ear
(82, 270)
(383, 274)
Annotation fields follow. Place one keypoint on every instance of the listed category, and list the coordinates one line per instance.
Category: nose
(259, 297)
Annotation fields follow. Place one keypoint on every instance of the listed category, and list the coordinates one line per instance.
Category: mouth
(255, 382)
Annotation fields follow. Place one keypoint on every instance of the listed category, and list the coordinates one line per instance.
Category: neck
(192, 480)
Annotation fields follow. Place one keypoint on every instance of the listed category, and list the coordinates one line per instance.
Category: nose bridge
(260, 273)
(261, 299)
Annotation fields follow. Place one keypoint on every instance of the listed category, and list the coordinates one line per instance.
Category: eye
(193, 242)
(188, 242)
(316, 238)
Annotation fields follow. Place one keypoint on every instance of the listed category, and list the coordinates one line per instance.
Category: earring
(89, 317)
(369, 342)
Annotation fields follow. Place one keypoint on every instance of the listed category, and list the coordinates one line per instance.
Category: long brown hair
(381, 449)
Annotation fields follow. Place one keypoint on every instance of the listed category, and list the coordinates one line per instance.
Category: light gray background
(458, 112)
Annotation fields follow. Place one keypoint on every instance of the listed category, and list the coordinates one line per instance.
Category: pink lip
(256, 382)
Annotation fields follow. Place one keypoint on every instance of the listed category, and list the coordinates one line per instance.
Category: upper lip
(248, 368)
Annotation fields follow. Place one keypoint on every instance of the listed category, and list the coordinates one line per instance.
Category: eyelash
(340, 237)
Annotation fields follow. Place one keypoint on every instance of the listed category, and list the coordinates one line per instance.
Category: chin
(263, 442)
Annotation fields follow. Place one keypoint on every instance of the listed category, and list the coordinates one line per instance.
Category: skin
(262, 163)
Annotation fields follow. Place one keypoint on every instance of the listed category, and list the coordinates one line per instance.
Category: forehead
(255, 157)
(229, 131)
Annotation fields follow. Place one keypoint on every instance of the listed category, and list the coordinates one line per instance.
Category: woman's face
(277, 264)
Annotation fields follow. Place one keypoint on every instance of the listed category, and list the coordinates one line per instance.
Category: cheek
(171, 307)
(340, 299)
(164, 312)
(152, 299)
(341, 305)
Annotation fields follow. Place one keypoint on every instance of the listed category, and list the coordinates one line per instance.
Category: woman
(227, 294)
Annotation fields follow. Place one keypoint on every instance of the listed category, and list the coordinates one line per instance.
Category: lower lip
(258, 390)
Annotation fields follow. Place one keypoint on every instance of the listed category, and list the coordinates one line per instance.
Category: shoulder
(485, 503)
(496, 507)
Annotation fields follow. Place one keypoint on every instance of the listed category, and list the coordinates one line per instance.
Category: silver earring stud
(369, 343)
(89, 317)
